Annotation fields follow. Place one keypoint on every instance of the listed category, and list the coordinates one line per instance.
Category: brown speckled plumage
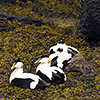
(79, 64)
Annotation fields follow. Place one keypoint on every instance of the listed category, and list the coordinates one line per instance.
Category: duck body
(59, 76)
(44, 72)
(79, 64)
(64, 59)
(50, 74)
(62, 54)
(31, 81)
(61, 60)
(25, 80)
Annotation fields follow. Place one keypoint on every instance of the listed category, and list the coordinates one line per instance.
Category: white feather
(45, 68)
(18, 73)
(55, 69)
(62, 57)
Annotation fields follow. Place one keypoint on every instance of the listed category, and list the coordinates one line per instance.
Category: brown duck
(79, 64)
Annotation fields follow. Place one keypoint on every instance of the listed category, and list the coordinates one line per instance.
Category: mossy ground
(29, 42)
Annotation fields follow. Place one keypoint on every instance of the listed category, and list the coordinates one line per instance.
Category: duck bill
(37, 61)
(49, 61)
(13, 66)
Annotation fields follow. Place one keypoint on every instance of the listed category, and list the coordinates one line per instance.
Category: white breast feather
(45, 69)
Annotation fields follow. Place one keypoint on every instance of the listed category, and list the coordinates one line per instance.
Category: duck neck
(18, 71)
(15, 73)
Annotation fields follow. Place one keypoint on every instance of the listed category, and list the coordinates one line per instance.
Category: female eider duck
(25, 80)
(53, 75)
(79, 64)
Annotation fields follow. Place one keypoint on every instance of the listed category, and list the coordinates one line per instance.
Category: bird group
(50, 68)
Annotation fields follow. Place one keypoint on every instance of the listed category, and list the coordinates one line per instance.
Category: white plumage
(50, 74)
(64, 59)
(25, 80)
(61, 54)
(63, 46)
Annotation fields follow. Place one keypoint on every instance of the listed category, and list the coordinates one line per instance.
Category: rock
(13, 1)
(7, 1)
(90, 20)
(24, 20)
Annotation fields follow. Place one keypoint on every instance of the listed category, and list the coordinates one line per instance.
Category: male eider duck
(60, 60)
(53, 75)
(58, 47)
(64, 59)
(25, 80)
(62, 54)
(62, 47)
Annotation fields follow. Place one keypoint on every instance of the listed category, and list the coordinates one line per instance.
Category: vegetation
(29, 42)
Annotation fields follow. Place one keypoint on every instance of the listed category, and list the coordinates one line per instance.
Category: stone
(7, 1)
(13, 1)
(24, 20)
(90, 20)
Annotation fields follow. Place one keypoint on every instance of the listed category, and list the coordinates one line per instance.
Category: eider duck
(62, 54)
(62, 47)
(58, 47)
(64, 59)
(53, 75)
(60, 60)
(25, 80)
(79, 64)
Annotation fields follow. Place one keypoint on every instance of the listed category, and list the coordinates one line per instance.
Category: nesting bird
(79, 64)
(60, 60)
(61, 46)
(61, 54)
(25, 80)
(49, 74)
